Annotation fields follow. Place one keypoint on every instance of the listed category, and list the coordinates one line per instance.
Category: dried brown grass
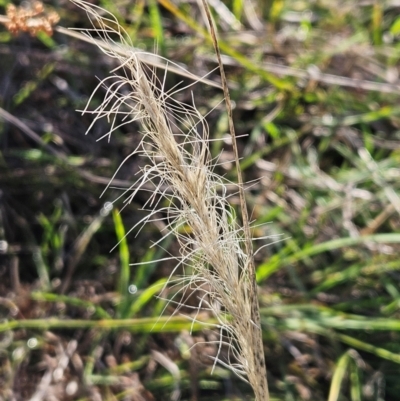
(174, 143)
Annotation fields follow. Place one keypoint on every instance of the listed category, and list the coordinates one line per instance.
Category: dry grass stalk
(256, 370)
(175, 144)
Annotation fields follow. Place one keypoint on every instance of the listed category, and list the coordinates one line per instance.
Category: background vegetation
(316, 92)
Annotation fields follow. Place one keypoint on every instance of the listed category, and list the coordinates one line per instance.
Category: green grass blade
(164, 324)
(362, 345)
(323, 321)
(124, 275)
(377, 23)
(144, 271)
(355, 382)
(308, 317)
(30, 87)
(338, 377)
(145, 297)
(267, 268)
(49, 297)
(156, 24)
(353, 272)
(237, 9)
(80, 247)
(42, 268)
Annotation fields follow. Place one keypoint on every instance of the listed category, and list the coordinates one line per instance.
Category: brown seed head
(32, 19)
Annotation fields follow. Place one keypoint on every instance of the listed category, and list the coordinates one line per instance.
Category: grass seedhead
(216, 251)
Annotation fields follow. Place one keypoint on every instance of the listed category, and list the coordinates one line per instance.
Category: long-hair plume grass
(175, 143)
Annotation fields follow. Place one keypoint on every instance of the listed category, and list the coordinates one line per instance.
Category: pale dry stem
(252, 346)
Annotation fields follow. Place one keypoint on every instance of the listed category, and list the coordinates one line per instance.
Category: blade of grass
(143, 325)
(41, 267)
(338, 377)
(355, 382)
(146, 269)
(237, 8)
(130, 366)
(377, 22)
(49, 227)
(250, 160)
(308, 316)
(346, 363)
(361, 345)
(267, 268)
(49, 297)
(81, 244)
(30, 87)
(137, 10)
(353, 272)
(93, 356)
(156, 24)
(325, 326)
(145, 297)
(124, 275)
